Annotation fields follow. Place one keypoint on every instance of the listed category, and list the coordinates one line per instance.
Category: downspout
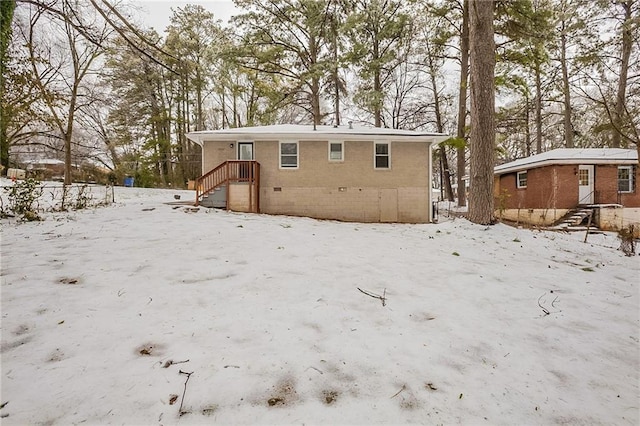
(431, 210)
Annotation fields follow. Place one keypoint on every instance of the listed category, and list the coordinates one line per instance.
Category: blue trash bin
(128, 181)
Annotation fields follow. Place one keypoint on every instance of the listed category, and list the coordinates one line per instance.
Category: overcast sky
(156, 13)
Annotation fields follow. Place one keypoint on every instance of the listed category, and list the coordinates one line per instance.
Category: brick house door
(585, 184)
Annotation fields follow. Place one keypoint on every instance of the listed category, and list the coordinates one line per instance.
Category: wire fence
(29, 198)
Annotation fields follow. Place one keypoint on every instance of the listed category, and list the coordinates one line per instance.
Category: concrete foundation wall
(607, 218)
(348, 203)
(535, 217)
(615, 219)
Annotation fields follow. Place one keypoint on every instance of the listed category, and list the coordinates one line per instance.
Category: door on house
(245, 152)
(388, 205)
(585, 184)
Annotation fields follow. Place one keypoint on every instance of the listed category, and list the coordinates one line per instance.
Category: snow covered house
(544, 188)
(345, 173)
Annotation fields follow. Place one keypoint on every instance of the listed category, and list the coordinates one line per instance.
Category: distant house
(46, 168)
(543, 188)
(344, 173)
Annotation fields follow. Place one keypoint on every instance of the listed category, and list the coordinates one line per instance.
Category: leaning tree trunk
(627, 43)
(482, 111)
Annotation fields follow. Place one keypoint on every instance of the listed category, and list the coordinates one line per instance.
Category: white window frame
(375, 155)
(518, 174)
(334, 160)
(629, 180)
(288, 167)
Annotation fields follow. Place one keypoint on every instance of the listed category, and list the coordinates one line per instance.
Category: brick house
(543, 188)
(345, 173)
(47, 168)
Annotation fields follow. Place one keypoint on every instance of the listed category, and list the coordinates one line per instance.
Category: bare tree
(61, 59)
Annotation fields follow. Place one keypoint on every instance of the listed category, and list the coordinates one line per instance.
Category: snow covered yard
(105, 310)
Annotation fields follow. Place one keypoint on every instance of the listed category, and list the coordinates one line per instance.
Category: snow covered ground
(105, 312)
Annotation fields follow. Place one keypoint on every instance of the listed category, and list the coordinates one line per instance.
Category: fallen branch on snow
(398, 393)
(185, 390)
(383, 298)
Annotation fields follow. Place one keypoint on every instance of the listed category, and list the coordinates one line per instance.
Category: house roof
(48, 161)
(571, 156)
(307, 132)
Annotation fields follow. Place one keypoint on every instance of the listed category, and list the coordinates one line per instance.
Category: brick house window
(521, 179)
(625, 179)
(382, 154)
(288, 155)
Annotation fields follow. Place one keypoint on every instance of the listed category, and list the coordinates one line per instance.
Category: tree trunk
(568, 125)
(527, 129)
(538, 109)
(461, 165)
(377, 88)
(482, 111)
(444, 162)
(335, 76)
(6, 17)
(446, 174)
(315, 100)
(627, 41)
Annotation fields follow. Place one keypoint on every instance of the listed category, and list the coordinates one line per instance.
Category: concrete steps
(215, 199)
(576, 220)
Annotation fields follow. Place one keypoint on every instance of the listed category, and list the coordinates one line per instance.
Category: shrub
(627, 241)
(23, 198)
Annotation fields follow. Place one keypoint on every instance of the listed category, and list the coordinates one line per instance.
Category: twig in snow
(545, 310)
(316, 370)
(185, 390)
(383, 298)
(171, 362)
(553, 304)
(398, 393)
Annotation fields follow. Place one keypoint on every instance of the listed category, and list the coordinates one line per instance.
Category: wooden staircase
(213, 189)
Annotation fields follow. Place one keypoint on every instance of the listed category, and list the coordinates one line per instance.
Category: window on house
(336, 151)
(521, 179)
(288, 155)
(583, 177)
(625, 179)
(382, 155)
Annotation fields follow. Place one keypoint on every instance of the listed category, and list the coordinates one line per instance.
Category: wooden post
(588, 226)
